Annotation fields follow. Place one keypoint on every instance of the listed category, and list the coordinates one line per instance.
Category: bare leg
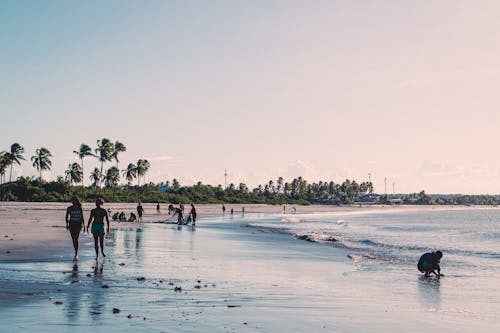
(101, 240)
(75, 246)
(96, 245)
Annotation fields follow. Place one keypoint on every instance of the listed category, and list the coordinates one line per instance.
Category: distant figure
(193, 214)
(115, 216)
(284, 209)
(223, 209)
(232, 211)
(132, 217)
(74, 222)
(242, 210)
(122, 217)
(171, 209)
(158, 207)
(97, 216)
(181, 206)
(429, 263)
(140, 210)
(294, 210)
(180, 216)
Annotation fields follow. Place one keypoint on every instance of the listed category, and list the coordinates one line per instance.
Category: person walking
(75, 222)
(97, 217)
(193, 214)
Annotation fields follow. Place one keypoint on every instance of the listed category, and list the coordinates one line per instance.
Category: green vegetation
(106, 184)
(296, 192)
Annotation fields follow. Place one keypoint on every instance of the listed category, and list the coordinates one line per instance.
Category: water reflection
(74, 298)
(429, 292)
(97, 301)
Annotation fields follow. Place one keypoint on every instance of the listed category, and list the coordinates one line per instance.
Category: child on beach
(429, 263)
(98, 215)
(74, 222)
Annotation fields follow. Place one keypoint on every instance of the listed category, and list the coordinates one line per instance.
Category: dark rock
(116, 310)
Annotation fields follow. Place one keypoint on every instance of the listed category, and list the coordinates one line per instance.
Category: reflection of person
(97, 216)
(429, 263)
(74, 222)
(140, 210)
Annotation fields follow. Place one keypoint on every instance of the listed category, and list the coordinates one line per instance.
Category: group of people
(427, 264)
(179, 212)
(121, 217)
(75, 223)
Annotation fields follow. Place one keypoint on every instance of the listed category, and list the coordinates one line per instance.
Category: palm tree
(142, 169)
(83, 152)
(95, 177)
(41, 160)
(15, 155)
(119, 148)
(74, 173)
(112, 177)
(105, 150)
(130, 172)
(4, 163)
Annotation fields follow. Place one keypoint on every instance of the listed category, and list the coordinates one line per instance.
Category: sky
(402, 90)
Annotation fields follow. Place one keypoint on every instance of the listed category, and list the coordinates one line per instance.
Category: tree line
(106, 151)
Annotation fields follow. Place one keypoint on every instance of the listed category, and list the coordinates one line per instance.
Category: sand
(221, 277)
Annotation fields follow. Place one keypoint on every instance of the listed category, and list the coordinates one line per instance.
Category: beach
(232, 273)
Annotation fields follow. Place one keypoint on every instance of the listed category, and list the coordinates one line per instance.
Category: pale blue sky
(325, 89)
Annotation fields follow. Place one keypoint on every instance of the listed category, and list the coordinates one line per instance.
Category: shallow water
(252, 273)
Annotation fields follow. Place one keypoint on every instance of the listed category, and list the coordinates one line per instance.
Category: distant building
(367, 198)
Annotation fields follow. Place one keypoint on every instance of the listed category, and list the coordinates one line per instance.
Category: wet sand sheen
(219, 278)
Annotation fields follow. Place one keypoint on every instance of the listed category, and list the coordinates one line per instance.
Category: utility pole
(225, 178)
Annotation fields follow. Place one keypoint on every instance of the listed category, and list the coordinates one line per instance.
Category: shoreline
(231, 278)
(41, 236)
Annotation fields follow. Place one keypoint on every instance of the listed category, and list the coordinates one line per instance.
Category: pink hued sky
(326, 90)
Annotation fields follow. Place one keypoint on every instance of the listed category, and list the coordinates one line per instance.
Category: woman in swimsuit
(74, 222)
(98, 214)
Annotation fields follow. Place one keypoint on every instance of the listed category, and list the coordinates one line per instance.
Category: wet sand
(221, 277)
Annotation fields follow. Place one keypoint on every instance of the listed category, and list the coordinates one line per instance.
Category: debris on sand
(105, 286)
(178, 289)
(129, 316)
(58, 302)
(141, 278)
(116, 310)
(121, 264)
